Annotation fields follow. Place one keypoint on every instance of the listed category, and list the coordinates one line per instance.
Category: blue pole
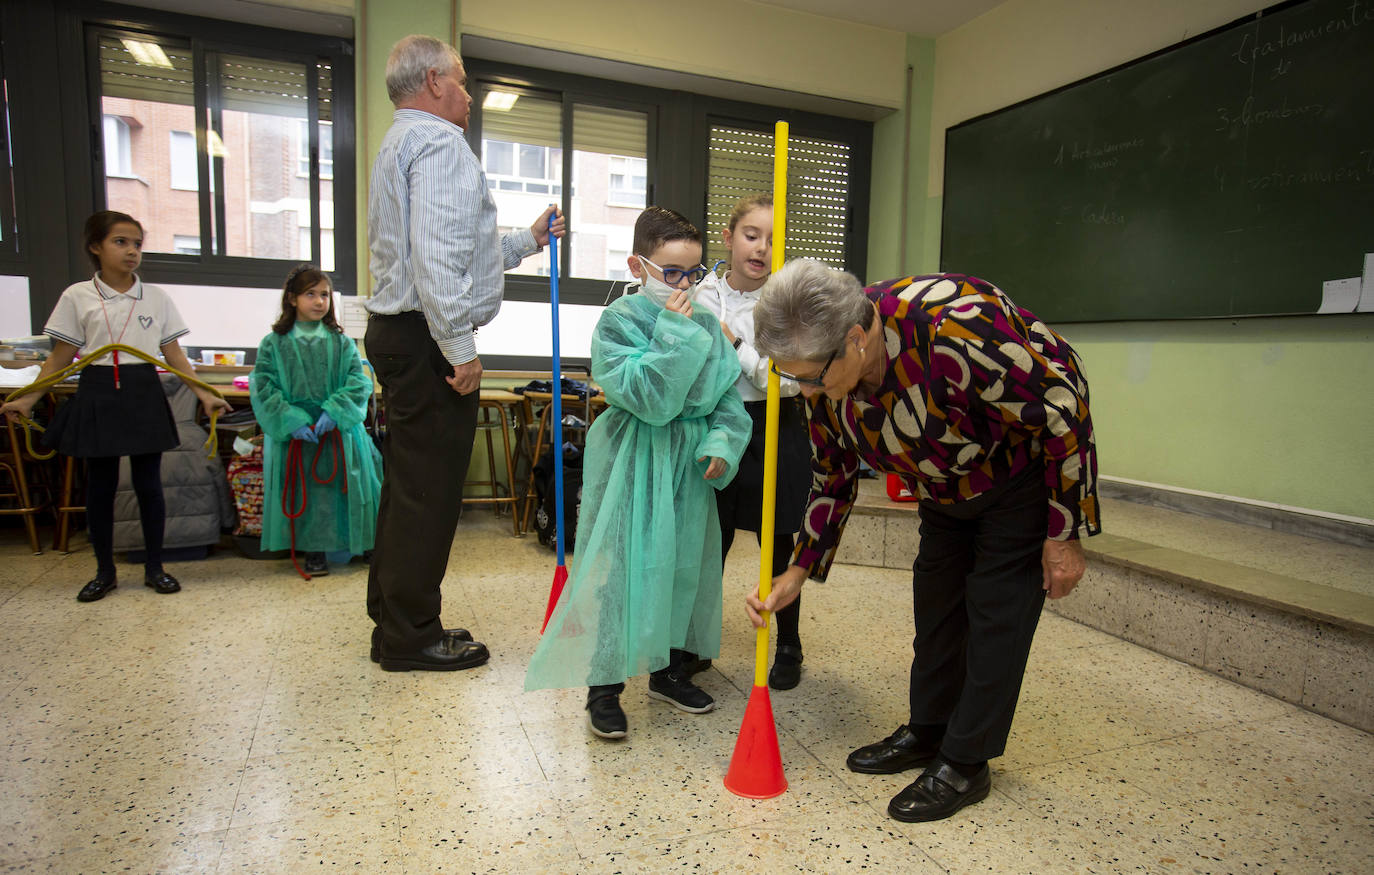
(556, 431)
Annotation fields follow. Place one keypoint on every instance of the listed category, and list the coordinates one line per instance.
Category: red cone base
(756, 768)
(560, 577)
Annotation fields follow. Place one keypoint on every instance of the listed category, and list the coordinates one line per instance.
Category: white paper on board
(1340, 296)
(1366, 304)
(352, 316)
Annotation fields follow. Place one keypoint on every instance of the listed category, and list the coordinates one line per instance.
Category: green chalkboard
(1228, 175)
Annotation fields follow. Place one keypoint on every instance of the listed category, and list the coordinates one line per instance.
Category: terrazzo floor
(239, 726)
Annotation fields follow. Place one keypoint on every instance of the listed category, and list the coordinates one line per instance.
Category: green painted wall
(1277, 410)
(378, 24)
(885, 258)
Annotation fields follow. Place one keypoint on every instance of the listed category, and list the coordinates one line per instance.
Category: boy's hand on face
(678, 302)
(715, 469)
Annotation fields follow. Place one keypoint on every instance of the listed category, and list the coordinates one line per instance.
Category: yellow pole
(770, 440)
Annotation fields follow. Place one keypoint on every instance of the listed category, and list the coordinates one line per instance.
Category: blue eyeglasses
(673, 275)
(818, 381)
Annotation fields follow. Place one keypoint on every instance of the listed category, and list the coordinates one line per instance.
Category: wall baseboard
(1281, 518)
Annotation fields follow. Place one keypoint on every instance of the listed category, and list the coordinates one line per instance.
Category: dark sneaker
(316, 565)
(679, 691)
(605, 717)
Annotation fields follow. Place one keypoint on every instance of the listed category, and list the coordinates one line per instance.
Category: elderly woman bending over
(983, 410)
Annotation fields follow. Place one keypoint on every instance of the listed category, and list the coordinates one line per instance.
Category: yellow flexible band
(211, 444)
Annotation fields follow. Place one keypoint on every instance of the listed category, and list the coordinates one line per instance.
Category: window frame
(570, 91)
(677, 154)
(210, 38)
(10, 211)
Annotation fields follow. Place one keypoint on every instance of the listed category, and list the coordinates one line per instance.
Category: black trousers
(429, 436)
(789, 618)
(977, 589)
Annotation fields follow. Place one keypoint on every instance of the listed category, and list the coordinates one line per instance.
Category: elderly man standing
(438, 268)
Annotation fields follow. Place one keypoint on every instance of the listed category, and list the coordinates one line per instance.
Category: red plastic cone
(756, 767)
(560, 577)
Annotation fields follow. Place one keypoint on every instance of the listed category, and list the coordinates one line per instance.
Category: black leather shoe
(898, 752)
(786, 671)
(96, 590)
(449, 653)
(376, 654)
(938, 793)
(161, 582)
(316, 565)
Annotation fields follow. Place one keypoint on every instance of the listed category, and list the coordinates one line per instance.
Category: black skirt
(740, 504)
(101, 420)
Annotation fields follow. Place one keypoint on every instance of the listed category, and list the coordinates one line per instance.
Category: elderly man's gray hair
(805, 309)
(410, 61)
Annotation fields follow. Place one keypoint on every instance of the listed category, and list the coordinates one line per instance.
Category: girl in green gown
(308, 384)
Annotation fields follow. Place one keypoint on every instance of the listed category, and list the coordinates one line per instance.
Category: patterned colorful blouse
(976, 390)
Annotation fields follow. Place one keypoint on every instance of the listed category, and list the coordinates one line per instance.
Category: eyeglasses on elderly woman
(818, 381)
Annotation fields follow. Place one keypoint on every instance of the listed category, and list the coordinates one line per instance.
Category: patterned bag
(245, 479)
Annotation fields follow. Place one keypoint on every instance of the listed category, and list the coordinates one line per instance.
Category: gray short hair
(410, 61)
(805, 309)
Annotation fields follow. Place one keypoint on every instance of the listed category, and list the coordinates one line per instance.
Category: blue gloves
(305, 434)
(324, 424)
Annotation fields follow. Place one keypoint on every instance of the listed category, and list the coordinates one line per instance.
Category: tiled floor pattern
(239, 726)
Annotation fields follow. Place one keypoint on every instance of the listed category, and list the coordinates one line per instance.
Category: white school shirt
(736, 310)
(144, 318)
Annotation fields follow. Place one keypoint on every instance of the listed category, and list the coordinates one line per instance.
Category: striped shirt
(975, 391)
(431, 233)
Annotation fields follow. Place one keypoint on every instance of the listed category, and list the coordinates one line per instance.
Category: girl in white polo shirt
(120, 408)
(748, 238)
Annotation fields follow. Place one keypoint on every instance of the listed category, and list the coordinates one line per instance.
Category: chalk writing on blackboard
(1252, 49)
(1250, 115)
(1095, 151)
(1349, 171)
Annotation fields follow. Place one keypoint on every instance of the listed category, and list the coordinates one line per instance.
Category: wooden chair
(16, 468)
(72, 475)
(494, 415)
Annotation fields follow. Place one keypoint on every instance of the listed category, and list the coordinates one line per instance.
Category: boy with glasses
(644, 592)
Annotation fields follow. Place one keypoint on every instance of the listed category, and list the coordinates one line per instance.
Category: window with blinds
(268, 124)
(524, 141)
(740, 164)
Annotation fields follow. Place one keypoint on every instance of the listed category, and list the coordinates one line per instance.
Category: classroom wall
(797, 51)
(1274, 410)
(841, 60)
(904, 133)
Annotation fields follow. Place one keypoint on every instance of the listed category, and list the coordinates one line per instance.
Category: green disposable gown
(647, 574)
(297, 376)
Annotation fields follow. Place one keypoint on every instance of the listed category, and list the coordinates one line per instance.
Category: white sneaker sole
(621, 733)
(653, 694)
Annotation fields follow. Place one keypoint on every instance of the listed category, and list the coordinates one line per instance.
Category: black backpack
(545, 518)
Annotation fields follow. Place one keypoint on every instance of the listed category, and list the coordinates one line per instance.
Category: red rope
(293, 491)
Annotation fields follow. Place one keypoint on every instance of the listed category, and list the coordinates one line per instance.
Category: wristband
(738, 341)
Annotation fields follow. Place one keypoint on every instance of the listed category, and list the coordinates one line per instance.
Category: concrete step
(1286, 614)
